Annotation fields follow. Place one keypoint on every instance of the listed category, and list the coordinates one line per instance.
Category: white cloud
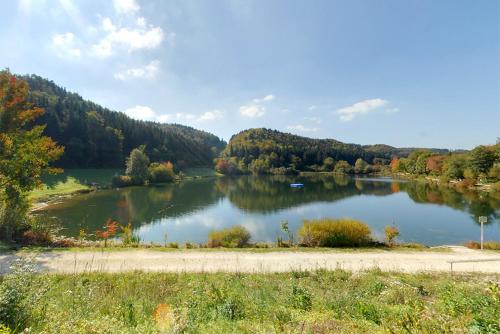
(131, 38)
(210, 116)
(312, 108)
(126, 6)
(255, 109)
(348, 113)
(301, 128)
(252, 110)
(164, 118)
(65, 45)
(145, 72)
(141, 112)
(392, 110)
(266, 98)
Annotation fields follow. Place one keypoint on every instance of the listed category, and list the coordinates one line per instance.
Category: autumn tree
(434, 164)
(137, 165)
(394, 164)
(25, 153)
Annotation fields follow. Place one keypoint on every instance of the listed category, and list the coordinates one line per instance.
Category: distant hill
(95, 136)
(387, 152)
(260, 150)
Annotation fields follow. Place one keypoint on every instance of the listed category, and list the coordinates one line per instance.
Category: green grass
(69, 186)
(296, 302)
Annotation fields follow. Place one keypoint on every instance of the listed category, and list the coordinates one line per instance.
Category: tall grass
(236, 236)
(334, 233)
(313, 302)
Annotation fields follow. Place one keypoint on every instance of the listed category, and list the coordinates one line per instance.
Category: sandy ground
(231, 261)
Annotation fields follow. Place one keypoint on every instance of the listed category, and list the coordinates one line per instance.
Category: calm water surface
(190, 210)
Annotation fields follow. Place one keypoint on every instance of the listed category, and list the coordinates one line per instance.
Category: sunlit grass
(296, 302)
(71, 185)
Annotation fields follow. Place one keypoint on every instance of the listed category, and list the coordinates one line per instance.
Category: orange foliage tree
(435, 164)
(25, 153)
(110, 230)
(394, 164)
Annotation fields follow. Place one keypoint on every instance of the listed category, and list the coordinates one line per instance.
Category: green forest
(94, 136)
(266, 151)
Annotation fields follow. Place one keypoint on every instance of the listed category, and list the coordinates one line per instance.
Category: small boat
(296, 185)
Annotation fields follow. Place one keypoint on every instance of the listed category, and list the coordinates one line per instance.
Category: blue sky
(404, 73)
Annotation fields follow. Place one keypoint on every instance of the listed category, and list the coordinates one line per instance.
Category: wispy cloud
(312, 108)
(349, 113)
(313, 119)
(145, 72)
(126, 6)
(130, 38)
(266, 98)
(301, 128)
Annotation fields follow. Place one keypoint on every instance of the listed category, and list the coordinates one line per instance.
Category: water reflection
(187, 211)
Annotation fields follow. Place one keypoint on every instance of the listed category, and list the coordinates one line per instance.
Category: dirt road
(241, 261)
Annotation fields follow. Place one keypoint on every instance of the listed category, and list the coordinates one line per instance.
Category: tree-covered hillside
(94, 136)
(269, 151)
(388, 152)
(260, 150)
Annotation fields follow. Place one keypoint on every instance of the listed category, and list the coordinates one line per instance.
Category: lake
(188, 211)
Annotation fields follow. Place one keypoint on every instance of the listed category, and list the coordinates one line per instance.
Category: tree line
(94, 136)
(265, 151)
(480, 164)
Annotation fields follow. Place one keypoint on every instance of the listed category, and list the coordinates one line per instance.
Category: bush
(120, 181)
(161, 172)
(334, 233)
(391, 232)
(493, 245)
(236, 236)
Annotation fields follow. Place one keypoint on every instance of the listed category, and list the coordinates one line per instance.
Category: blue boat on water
(296, 185)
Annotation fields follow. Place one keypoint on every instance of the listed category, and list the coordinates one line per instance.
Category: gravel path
(240, 261)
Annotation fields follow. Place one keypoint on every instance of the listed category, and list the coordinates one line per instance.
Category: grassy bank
(66, 187)
(297, 302)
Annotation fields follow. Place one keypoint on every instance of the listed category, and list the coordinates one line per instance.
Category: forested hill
(95, 136)
(387, 152)
(261, 150)
(270, 148)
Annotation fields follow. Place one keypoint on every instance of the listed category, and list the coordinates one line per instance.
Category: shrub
(161, 172)
(109, 231)
(391, 232)
(173, 245)
(124, 181)
(493, 245)
(40, 232)
(128, 236)
(334, 233)
(236, 236)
